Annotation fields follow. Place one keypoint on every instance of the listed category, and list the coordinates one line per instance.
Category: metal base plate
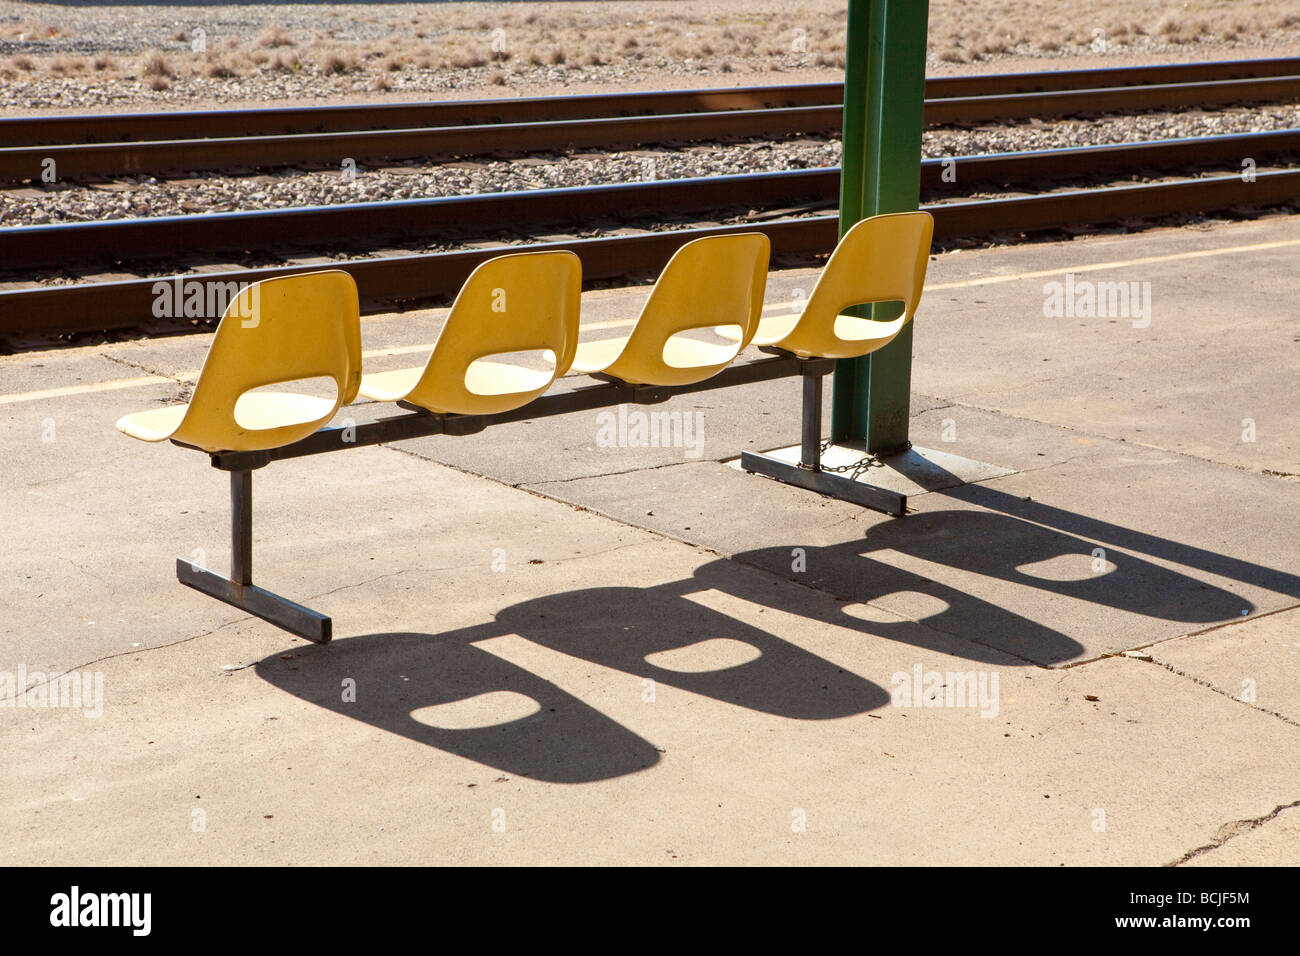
(279, 611)
(885, 486)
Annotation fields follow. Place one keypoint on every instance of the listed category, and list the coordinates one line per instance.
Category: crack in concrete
(96, 466)
(135, 650)
(1123, 655)
(1209, 686)
(615, 474)
(1234, 622)
(125, 363)
(1233, 829)
(1264, 472)
(528, 485)
(1178, 637)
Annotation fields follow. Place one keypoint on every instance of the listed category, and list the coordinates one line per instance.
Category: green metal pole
(884, 99)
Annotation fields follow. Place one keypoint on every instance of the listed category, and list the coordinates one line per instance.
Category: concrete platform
(551, 647)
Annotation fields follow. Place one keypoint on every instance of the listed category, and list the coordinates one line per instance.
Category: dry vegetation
(501, 44)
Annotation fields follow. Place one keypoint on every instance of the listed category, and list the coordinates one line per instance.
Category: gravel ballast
(216, 192)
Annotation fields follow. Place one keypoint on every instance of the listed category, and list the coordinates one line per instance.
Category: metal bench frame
(238, 589)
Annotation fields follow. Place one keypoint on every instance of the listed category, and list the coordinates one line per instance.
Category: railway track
(108, 127)
(463, 218)
(167, 144)
(784, 205)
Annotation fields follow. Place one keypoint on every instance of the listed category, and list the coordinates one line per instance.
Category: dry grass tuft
(62, 66)
(285, 62)
(156, 65)
(274, 36)
(336, 60)
(468, 61)
(220, 68)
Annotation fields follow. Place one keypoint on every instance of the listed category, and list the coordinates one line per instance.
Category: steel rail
(1122, 99)
(394, 221)
(73, 162)
(389, 283)
(88, 128)
(62, 245)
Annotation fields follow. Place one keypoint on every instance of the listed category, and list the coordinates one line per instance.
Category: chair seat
(390, 386)
(482, 377)
(158, 424)
(773, 328)
(854, 329)
(683, 352)
(502, 378)
(257, 411)
(597, 356)
(254, 411)
(678, 352)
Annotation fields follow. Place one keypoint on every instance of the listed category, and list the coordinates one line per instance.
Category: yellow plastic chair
(881, 259)
(521, 302)
(708, 282)
(278, 330)
(275, 331)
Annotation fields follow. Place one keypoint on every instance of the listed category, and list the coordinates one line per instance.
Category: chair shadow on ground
(996, 546)
(565, 740)
(628, 629)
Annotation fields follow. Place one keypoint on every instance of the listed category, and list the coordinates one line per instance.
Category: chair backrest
(521, 302)
(880, 259)
(274, 331)
(708, 282)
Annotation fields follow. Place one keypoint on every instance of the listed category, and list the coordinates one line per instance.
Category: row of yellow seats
(308, 326)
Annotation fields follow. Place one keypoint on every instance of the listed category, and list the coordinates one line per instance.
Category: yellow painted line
(1118, 264)
(1094, 267)
(618, 323)
(611, 324)
(426, 348)
(397, 350)
(84, 389)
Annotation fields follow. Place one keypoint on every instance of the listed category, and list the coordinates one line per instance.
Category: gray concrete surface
(566, 652)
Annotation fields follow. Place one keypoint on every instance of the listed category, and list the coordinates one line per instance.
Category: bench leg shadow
(238, 589)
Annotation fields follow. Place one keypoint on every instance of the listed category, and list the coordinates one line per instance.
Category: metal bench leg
(238, 589)
(808, 472)
(810, 451)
